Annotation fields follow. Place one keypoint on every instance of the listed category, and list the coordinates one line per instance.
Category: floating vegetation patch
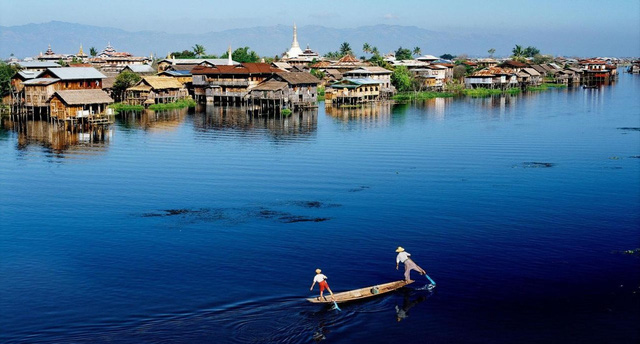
(315, 204)
(359, 188)
(635, 253)
(634, 157)
(238, 215)
(614, 158)
(535, 164)
(629, 128)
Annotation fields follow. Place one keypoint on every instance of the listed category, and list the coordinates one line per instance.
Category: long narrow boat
(358, 294)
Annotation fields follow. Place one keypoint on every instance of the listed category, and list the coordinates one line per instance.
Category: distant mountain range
(66, 38)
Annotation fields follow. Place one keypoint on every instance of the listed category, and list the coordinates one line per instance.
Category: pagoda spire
(229, 60)
(295, 37)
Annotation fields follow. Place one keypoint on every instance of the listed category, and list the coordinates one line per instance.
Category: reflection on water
(434, 108)
(380, 112)
(56, 137)
(150, 120)
(300, 123)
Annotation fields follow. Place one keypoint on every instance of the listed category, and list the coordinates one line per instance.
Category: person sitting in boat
(322, 283)
(409, 264)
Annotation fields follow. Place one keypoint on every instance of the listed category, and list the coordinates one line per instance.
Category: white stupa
(295, 50)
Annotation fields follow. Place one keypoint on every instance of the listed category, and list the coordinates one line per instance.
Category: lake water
(207, 225)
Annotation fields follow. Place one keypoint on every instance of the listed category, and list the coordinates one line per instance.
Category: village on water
(88, 89)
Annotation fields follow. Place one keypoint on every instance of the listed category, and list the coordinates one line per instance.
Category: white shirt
(402, 257)
(319, 278)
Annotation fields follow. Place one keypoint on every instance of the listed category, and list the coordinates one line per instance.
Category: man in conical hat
(409, 264)
(321, 279)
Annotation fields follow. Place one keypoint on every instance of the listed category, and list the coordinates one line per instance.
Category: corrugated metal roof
(37, 64)
(40, 81)
(76, 73)
(29, 74)
(176, 73)
(199, 61)
(82, 97)
(531, 71)
(140, 68)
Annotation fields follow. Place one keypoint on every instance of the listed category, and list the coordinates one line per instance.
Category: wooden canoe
(358, 294)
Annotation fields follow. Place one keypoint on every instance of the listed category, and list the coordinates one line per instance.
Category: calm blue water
(207, 226)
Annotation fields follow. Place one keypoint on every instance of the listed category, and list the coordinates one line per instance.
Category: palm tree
(199, 50)
(518, 52)
(93, 51)
(345, 49)
(366, 48)
(491, 52)
(375, 51)
(417, 51)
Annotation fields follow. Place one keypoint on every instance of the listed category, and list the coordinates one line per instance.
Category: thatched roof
(159, 82)
(298, 78)
(493, 71)
(108, 82)
(83, 97)
(270, 85)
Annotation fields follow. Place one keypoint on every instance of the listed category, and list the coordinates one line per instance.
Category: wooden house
(353, 91)
(229, 84)
(190, 63)
(155, 90)
(371, 72)
(75, 78)
(513, 65)
(492, 77)
(140, 69)
(529, 77)
(303, 88)
(431, 76)
(91, 105)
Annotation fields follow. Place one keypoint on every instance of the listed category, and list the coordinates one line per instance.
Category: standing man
(322, 283)
(403, 257)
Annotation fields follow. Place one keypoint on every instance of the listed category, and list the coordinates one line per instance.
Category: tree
(6, 73)
(540, 59)
(318, 74)
(417, 51)
(375, 51)
(198, 50)
(518, 53)
(242, 55)
(377, 60)
(345, 49)
(93, 52)
(185, 54)
(366, 48)
(531, 51)
(447, 56)
(459, 72)
(123, 81)
(401, 79)
(491, 52)
(403, 54)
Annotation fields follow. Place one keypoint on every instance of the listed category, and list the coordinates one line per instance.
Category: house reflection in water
(435, 108)
(149, 120)
(55, 137)
(373, 113)
(298, 124)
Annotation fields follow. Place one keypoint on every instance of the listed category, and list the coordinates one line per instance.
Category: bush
(285, 112)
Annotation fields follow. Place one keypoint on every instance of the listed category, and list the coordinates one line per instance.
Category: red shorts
(323, 285)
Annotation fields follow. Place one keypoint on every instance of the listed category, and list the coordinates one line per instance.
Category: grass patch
(350, 106)
(408, 96)
(320, 93)
(481, 92)
(285, 112)
(182, 103)
(120, 107)
(544, 87)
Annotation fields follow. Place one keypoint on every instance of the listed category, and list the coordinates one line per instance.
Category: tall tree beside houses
(242, 55)
(375, 52)
(401, 79)
(403, 54)
(123, 81)
(366, 48)
(6, 73)
(518, 53)
(417, 51)
(93, 52)
(531, 51)
(345, 49)
(198, 50)
(491, 52)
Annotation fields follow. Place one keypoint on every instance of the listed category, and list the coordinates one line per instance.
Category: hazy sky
(545, 16)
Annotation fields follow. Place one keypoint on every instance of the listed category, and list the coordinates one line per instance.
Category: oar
(335, 306)
(433, 283)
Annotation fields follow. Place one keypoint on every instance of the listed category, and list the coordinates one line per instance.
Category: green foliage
(481, 92)
(377, 60)
(6, 73)
(403, 54)
(417, 51)
(409, 96)
(321, 93)
(123, 81)
(375, 51)
(318, 74)
(185, 54)
(544, 87)
(491, 52)
(531, 51)
(366, 48)
(401, 79)
(198, 50)
(242, 55)
(93, 52)
(285, 112)
(180, 104)
(447, 56)
(459, 71)
(120, 107)
(540, 59)
(345, 49)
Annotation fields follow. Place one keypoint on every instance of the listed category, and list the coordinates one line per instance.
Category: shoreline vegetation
(180, 104)
(459, 91)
